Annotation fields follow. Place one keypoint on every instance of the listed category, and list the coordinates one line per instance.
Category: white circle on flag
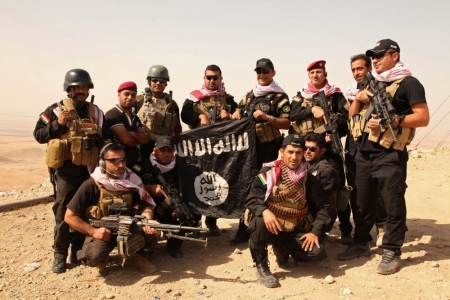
(211, 188)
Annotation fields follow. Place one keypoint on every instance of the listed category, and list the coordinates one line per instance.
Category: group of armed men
(306, 179)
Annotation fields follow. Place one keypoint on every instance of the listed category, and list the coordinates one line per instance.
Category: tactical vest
(288, 203)
(265, 131)
(155, 115)
(107, 198)
(73, 145)
(309, 124)
(213, 103)
(404, 135)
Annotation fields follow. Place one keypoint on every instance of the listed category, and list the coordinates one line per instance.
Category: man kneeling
(111, 185)
(289, 211)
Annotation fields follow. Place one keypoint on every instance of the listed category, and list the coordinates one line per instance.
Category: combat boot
(59, 264)
(389, 264)
(381, 230)
(282, 256)
(100, 271)
(354, 251)
(263, 274)
(143, 264)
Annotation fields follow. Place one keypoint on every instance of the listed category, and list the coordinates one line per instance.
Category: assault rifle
(177, 205)
(380, 104)
(331, 127)
(130, 236)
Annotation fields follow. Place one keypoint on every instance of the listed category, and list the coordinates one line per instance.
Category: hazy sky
(117, 41)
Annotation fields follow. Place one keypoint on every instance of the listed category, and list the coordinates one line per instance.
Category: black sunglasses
(264, 71)
(116, 161)
(310, 148)
(381, 54)
(213, 78)
(160, 80)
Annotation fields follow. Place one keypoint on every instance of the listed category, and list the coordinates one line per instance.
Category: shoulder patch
(280, 105)
(262, 177)
(296, 99)
(287, 108)
(44, 118)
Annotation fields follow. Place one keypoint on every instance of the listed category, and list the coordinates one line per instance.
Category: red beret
(129, 85)
(316, 64)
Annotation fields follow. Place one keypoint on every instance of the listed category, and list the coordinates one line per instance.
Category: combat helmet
(158, 71)
(77, 77)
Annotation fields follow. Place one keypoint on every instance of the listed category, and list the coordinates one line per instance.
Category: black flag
(216, 166)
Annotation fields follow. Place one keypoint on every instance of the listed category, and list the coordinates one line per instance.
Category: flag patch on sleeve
(280, 105)
(262, 177)
(44, 118)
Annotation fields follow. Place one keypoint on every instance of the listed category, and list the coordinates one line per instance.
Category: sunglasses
(116, 161)
(264, 71)
(310, 148)
(381, 54)
(160, 80)
(213, 78)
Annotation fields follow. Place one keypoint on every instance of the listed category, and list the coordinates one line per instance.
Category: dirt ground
(221, 272)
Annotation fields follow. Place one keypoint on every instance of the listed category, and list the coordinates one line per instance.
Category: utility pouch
(103, 205)
(169, 124)
(374, 136)
(77, 150)
(288, 224)
(94, 212)
(343, 197)
(158, 126)
(56, 149)
(260, 133)
(248, 217)
(403, 138)
(388, 139)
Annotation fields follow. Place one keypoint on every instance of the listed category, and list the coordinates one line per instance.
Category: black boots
(263, 273)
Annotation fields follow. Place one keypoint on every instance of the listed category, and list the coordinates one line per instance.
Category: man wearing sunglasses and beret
(157, 110)
(111, 182)
(209, 104)
(125, 126)
(381, 161)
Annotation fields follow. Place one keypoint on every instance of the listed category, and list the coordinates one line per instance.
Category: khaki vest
(107, 198)
(309, 124)
(71, 145)
(155, 117)
(404, 135)
(288, 203)
(206, 106)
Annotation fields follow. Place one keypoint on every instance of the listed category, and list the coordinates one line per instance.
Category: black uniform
(328, 178)
(260, 237)
(384, 170)
(68, 178)
(116, 117)
(279, 107)
(95, 251)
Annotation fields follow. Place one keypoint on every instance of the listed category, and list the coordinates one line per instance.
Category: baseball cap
(129, 85)
(383, 46)
(264, 63)
(164, 141)
(294, 140)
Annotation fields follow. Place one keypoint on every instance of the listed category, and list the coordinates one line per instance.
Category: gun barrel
(185, 238)
(170, 227)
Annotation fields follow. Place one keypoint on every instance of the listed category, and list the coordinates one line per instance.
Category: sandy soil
(220, 272)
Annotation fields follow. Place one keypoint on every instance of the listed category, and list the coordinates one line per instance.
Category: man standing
(289, 210)
(158, 112)
(268, 103)
(72, 121)
(319, 167)
(205, 106)
(111, 182)
(125, 126)
(162, 160)
(381, 162)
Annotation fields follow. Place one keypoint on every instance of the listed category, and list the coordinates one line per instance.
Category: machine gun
(331, 127)
(130, 235)
(177, 205)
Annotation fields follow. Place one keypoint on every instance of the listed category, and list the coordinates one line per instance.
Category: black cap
(164, 141)
(294, 140)
(264, 63)
(383, 46)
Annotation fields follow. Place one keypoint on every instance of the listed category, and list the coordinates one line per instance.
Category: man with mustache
(74, 132)
(380, 161)
(111, 183)
(125, 126)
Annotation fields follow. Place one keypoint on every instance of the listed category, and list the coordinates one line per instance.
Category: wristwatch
(271, 118)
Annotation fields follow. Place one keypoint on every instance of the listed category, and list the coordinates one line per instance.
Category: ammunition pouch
(266, 132)
(57, 153)
(307, 125)
(107, 199)
(130, 244)
(404, 138)
(155, 116)
(164, 123)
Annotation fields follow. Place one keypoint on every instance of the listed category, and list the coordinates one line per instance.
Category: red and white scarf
(273, 87)
(162, 168)
(128, 181)
(204, 93)
(309, 90)
(352, 91)
(397, 72)
(274, 174)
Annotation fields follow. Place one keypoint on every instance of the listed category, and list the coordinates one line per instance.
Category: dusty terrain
(218, 272)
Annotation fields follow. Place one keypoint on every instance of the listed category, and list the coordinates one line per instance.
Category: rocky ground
(222, 271)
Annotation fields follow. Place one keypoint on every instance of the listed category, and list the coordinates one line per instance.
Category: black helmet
(77, 77)
(158, 71)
